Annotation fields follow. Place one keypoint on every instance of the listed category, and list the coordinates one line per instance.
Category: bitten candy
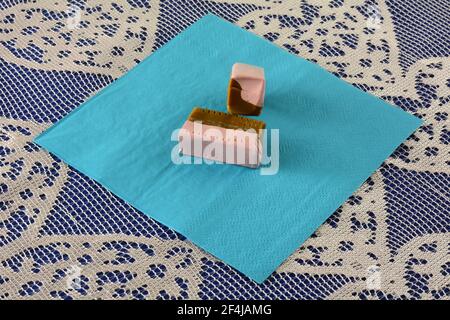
(222, 137)
(246, 90)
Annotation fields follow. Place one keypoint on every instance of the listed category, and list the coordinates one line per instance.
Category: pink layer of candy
(232, 146)
(252, 81)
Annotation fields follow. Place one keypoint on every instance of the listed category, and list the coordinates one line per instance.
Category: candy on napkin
(222, 137)
(246, 90)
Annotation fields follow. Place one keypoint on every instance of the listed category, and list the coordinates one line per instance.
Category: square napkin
(332, 138)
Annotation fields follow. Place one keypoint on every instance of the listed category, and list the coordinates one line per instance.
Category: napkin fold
(332, 137)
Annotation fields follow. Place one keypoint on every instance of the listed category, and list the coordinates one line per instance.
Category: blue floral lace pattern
(64, 236)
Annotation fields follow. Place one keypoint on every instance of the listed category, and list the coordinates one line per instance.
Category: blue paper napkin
(332, 137)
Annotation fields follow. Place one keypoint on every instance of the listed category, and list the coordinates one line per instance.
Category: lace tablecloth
(62, 235)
